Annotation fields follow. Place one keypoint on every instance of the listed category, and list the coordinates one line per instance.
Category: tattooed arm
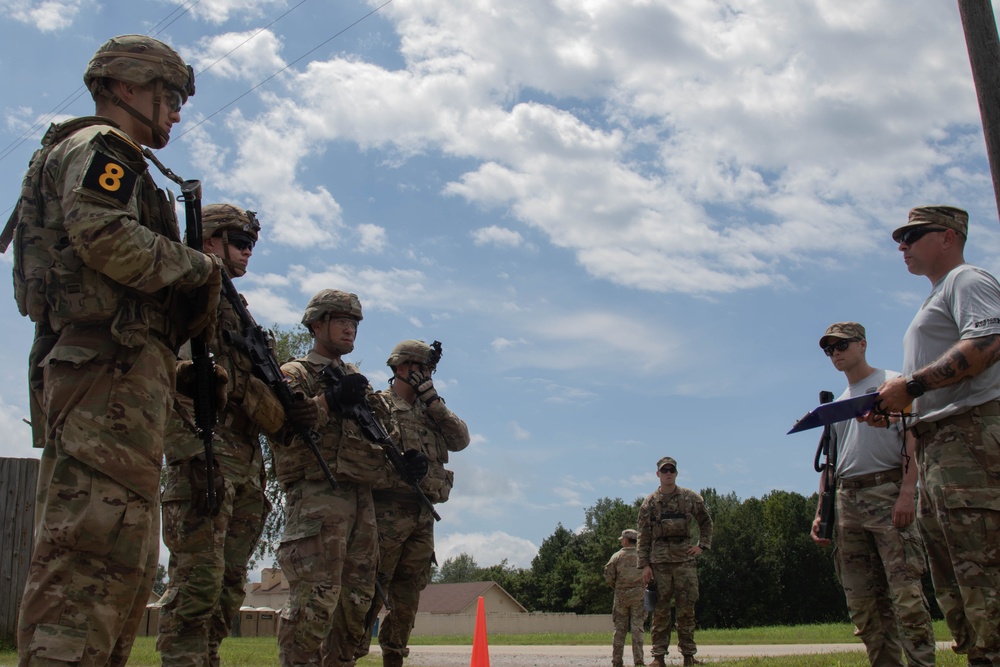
(967, 358)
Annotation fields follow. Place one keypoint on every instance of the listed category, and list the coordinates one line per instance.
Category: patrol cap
(139, 59)
(666, 460)
(844, 330)
(629, 534)
(939, 216)
(332, 302)
(409, 350)
(216, 218)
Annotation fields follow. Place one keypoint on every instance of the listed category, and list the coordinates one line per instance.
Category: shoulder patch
(109, 177)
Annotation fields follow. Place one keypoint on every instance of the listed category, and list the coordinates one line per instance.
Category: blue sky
(628, 221)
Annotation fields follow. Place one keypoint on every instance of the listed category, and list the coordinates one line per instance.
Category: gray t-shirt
(864, 449)
(964, 304)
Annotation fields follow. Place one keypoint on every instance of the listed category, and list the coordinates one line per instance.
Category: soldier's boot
(691, 660)
(658, 661)
(392, 660)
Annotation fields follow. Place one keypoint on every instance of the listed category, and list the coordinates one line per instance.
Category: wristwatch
(915, 387)
(703, 547)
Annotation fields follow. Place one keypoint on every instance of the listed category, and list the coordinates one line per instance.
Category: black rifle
(362, 413)
(827, 447)
(206, 409)
(254, 343)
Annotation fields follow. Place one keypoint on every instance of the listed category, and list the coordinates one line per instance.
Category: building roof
(459, 598)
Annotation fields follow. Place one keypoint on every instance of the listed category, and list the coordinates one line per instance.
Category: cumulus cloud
(486, 548)
(46, 16)
(372, 238)
(498, 236)
(219, 11)
(250, 56)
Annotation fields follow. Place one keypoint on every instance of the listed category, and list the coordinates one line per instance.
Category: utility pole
(981, 39)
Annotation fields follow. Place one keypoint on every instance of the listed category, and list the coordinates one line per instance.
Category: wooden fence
(17, 514)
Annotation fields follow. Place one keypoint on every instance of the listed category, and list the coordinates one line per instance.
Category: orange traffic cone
(480, 649)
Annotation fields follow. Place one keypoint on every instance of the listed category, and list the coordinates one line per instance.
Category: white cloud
(372, 238)
(46, 16)
(498, 236)
(518, 432)
(251, 56)
(219, 11)
(486, 548)
(16, 441)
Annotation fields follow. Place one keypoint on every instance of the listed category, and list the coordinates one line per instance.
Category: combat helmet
(409, 350)
(140, 60)
(332, 302)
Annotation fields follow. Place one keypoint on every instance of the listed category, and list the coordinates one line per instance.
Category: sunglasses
(240, 241)
(911, 236)
(174, 99)
(668, 469)
(839, 346)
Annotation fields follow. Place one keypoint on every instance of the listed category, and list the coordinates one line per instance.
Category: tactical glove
(416, 465)
(424, 386)
(304, 411)
(348, 392)
(199, 486)
(187, 384)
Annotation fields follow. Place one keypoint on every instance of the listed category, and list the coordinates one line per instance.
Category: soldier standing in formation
(624, 575)
(109, 320)
(667, 557)
(421, 424)
(209, 551)
(329, 550)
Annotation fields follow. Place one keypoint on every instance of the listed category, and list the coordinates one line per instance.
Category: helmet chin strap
(160, 138)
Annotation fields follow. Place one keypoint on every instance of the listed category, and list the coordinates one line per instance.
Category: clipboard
(836, 411)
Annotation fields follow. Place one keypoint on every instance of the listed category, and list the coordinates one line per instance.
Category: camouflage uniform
(622, 573)
(103, 310)
(664, 538)
(209, 554)
(405, 525)
(329, 550)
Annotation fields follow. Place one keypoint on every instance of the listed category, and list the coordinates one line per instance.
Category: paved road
(600, 656)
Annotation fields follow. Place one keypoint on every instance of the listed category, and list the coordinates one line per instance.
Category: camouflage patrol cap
(844, 330)
(139, 59)
(409, 350)
(938, 216)
(220, 217)
(666, 460)
(332, 302)
(629, 534)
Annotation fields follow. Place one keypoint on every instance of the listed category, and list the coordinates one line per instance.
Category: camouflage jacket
(624, 575)
(665, 526)
(434, 431)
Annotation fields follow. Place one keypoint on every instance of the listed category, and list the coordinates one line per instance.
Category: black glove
(424, 386)
(348, 392)
(199, 486)
(186, 383)
(303, 411)
(416, 465)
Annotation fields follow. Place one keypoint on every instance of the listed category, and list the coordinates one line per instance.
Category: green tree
(460, 569)
(160, 582)
(600, 538)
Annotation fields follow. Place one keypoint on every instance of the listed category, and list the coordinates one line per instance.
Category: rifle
(254, 344)
(206, 409)
(828, 447)
(374, 430)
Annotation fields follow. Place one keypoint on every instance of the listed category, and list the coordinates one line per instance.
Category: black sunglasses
(911, 236)
(839, 346)
(240, 241)
(670, 469)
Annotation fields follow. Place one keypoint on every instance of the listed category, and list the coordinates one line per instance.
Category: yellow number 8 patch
(110, 178)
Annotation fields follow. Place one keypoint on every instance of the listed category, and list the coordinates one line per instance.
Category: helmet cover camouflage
(332, 302)
(217, 218)
(409, 350)
(139, 59)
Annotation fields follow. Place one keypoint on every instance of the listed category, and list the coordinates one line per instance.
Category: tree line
(763, 568)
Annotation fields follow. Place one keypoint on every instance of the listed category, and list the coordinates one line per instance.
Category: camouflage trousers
(406, 551)
(959, 517)
(329, 555)
(881, 569)
(97, 506)
(208, 558)
(677, 582)
(627, 614)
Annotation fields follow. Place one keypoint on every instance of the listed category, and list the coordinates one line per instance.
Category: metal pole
(981, 39)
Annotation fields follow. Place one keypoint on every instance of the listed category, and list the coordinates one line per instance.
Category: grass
(263, 651)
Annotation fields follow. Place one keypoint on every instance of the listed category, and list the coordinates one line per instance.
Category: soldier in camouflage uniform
(329, 550)
(419, 423)
(209, 552)
(667, 556)
(879, 554)
(951, 377)
(100, 269)
(623, 574)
